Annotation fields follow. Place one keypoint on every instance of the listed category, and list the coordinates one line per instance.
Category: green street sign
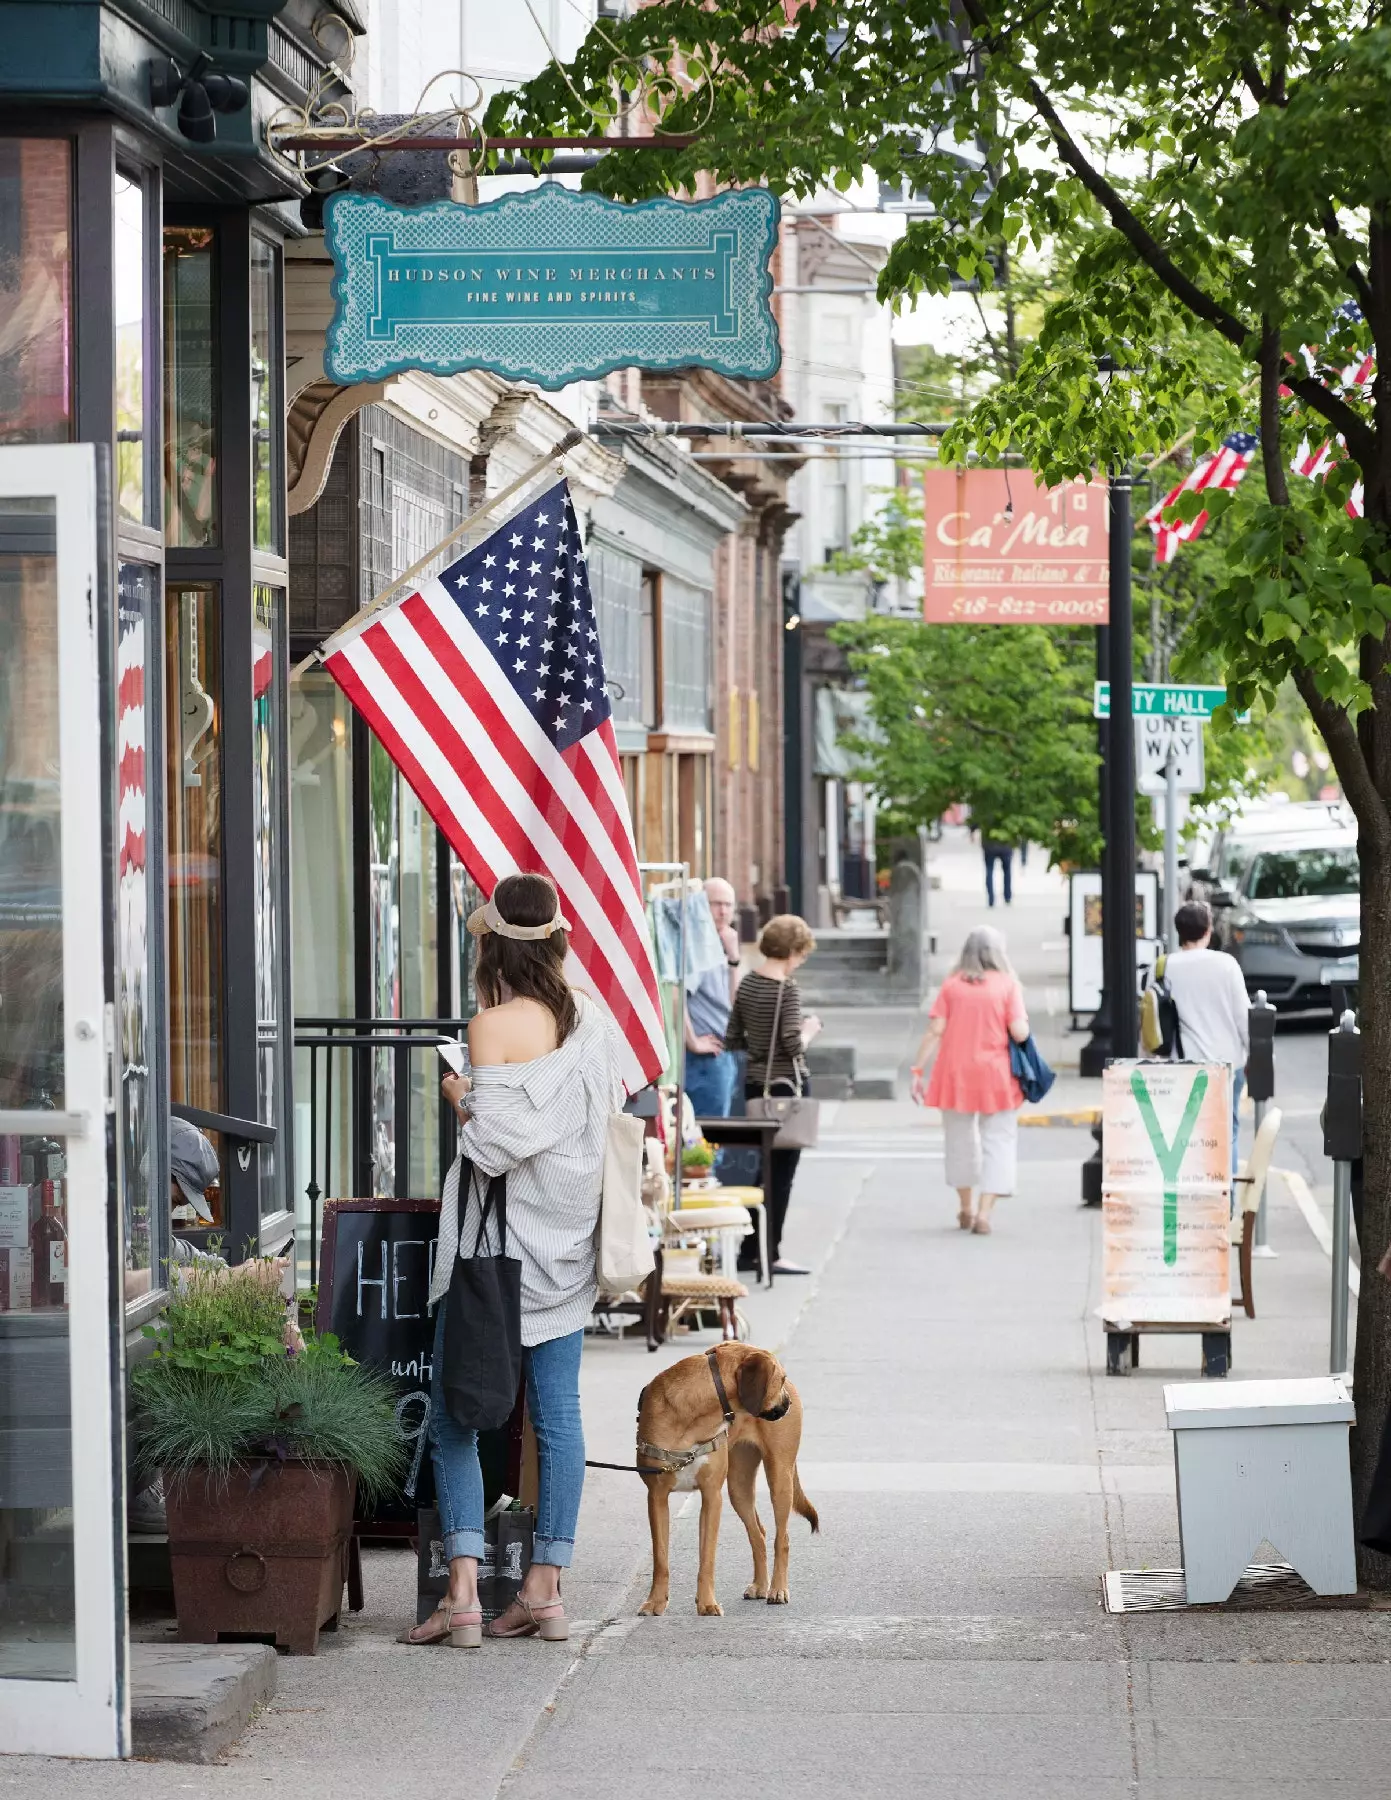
(1156, 700)
(552, 286)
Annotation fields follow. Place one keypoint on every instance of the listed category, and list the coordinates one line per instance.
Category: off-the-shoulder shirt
(543, 1124)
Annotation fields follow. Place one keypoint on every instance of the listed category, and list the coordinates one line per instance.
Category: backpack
(1159, 1027)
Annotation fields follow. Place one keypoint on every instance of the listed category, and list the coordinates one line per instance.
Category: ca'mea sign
(1000, 549)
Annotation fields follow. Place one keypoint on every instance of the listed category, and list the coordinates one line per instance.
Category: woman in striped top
(786, 943)
(546, 1077)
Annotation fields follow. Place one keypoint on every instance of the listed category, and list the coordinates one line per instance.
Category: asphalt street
(976, 1471)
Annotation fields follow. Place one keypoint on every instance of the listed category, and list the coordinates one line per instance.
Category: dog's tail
(800, 1503)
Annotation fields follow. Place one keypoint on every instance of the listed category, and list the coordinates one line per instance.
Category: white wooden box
(1263, 1460)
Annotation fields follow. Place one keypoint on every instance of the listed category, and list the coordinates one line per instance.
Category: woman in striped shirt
(546, 1077)
(777, 1067)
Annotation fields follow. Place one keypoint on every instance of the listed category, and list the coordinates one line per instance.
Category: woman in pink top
(979, 1009)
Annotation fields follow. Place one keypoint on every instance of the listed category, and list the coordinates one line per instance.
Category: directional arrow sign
(1159, 700)
(1153, 736)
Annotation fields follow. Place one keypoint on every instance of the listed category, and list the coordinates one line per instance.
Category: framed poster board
(1084, 958)
(1166, 1173)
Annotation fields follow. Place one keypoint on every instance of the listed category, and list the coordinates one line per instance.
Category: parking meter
(1342, 1141)
(1260, 1059)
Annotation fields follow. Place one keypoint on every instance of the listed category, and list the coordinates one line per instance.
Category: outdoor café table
(748, 1134)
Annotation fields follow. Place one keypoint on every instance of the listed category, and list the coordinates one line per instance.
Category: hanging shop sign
(552, 286)
(1165, 1180)
(1001, 549)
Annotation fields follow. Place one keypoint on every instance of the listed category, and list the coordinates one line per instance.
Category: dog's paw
(778, 1596)
(652, 1608)
(709, 1609)
(754, 1592)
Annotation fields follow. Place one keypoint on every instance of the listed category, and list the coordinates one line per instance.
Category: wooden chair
(750, 1198)
(1250, 1182)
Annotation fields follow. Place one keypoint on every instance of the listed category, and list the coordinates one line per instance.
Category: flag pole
(567, 443)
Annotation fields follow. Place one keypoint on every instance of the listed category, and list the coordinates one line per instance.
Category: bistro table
(747, 1134)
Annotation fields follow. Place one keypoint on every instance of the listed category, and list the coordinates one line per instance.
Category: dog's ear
(759, 1380)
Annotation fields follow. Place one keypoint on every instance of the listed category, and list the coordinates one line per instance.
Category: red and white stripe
(130, 748)
(506, 798)
(1224, 469)
(1316, 462)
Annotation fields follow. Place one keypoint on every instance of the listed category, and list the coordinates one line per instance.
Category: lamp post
(1116, 1023)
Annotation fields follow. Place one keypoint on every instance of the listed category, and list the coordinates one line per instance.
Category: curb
(191, 1702)
(1080, 1115)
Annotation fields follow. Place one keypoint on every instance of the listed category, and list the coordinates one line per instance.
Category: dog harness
(673, 1461)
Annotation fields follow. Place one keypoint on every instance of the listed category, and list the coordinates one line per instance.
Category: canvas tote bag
(483, 1322)
(625, 1257)
(798, 1116)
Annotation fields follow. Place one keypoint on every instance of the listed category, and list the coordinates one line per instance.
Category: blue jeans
(710, 1083)
(1005, 858)
(553, 1401)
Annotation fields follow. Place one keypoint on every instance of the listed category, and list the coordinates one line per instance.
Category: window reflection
(266, 627)
(130, 347)
(190, 388)
(265, 396)
(193, 785)
(136, 599)
(35, 291)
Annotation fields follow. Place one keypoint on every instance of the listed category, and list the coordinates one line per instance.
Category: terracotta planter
(263, 1561)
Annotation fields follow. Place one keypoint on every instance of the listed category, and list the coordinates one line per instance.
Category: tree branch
(1339, 733)
(1272, 375)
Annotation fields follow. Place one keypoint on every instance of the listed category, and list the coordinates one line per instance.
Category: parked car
(1294, 922)
(1217, 878)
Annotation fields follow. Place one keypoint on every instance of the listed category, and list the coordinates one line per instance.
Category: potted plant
(263, 1437)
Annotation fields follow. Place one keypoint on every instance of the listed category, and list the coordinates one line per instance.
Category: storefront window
(266, 422)
(35, 291)
(193, 787)
(321, 921)
(146, 1214)
(266, 627)
(685, 638)
(190, 388)
(129, 219)
(37, 1629)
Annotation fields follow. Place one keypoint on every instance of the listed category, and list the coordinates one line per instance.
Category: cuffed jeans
(553, 1401)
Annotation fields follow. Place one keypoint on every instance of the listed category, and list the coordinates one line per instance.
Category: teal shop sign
(552, 286)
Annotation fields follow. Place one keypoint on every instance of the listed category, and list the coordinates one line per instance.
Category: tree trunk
(1372, 1367)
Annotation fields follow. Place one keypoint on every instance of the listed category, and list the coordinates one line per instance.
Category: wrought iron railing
(370, 1088)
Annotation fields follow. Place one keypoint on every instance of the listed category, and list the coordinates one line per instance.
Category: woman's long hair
(530, 967)
(982, 954)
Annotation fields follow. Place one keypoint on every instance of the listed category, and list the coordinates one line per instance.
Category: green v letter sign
(1170, 1155)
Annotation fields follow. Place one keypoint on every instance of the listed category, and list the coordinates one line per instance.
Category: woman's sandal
(468, 1636)
(965, 1220)
(554, 1629)
(981, 1228)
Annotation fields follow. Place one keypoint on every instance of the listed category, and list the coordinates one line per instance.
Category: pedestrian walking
(710, 1067)
(767, 995)
(546, 1077)
(978, 1009)
(1209, 995)
(996, 852)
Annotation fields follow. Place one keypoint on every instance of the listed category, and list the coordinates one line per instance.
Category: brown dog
(714, 1417)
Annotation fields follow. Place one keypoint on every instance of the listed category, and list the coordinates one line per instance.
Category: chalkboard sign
(375, 1268)
(374, 1294)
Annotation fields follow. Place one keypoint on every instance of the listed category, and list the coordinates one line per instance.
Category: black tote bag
(483, 1322)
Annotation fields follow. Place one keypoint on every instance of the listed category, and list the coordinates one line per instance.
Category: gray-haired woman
(978, 1009)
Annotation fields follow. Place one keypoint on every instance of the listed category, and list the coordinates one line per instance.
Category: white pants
(981, 1150)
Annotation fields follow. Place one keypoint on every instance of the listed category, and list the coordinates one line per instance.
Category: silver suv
(1294, 921)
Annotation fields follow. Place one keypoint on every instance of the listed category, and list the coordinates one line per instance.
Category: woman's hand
(919, 1088)
(456, 1089)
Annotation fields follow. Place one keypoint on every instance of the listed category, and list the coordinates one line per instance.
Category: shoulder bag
(625, 1258)
(798, 1115)
(1028, 1068)
(483, 1321)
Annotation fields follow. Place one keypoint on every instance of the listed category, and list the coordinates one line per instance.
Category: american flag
(1223, 470)
(1316, 463)
(486, 688)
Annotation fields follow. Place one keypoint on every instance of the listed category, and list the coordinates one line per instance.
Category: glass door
(62, 1502)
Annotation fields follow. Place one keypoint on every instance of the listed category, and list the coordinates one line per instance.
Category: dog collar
(718, 1380)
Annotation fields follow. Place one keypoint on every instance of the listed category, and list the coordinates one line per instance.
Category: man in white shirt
(1209, 994)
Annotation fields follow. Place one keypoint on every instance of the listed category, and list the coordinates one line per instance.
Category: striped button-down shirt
(543, 1124)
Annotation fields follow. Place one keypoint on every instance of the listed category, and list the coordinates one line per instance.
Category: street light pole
(1118, 918)
(1097, 1049)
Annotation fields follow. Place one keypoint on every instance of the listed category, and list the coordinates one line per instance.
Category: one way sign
(1153, 737)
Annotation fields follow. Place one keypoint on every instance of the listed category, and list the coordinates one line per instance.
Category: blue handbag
(1028, 1068)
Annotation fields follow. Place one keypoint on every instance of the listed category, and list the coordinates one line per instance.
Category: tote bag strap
(773, 1040)
(494, 1201)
